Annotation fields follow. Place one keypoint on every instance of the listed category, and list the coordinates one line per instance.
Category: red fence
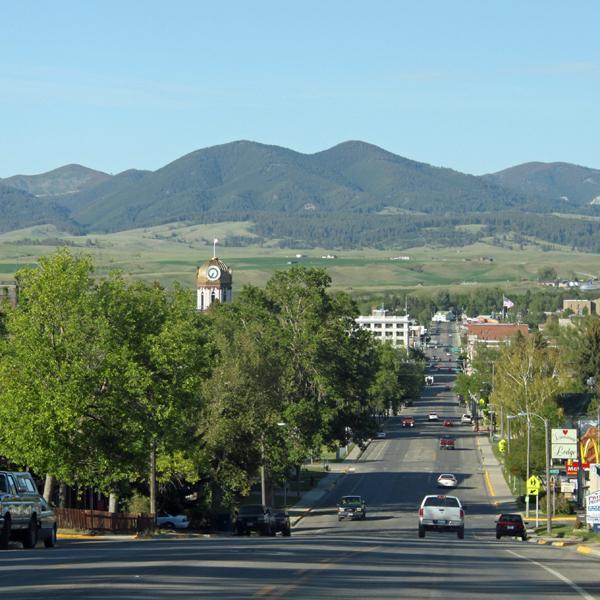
(75, 518)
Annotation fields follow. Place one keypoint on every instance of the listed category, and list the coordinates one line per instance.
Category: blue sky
(473, 85)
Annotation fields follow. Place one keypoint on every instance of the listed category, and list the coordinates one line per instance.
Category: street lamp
(547, 448)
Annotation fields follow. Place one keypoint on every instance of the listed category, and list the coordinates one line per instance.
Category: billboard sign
(564, 443)
(593, 508)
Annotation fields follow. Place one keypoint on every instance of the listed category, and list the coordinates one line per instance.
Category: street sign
(554, 471)
(564, 443)
(592, 512)
(534, 485)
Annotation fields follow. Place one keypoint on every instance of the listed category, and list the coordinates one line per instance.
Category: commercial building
(491, 335)
(388, 328)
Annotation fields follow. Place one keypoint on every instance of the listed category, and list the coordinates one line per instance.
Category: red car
(448, 423)
(408, 422)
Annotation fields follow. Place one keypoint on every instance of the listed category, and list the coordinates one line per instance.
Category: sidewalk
(310, 499)
(495, 483)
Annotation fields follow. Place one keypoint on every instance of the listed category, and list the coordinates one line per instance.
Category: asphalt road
(381, 557)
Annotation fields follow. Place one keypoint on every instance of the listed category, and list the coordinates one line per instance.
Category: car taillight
(420, 512)
(462, 513)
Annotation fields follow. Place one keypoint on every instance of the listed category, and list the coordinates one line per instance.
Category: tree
(547, 274)
(54, 411)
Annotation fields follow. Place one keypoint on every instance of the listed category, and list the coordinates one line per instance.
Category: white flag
(215, 241)
(506, 303)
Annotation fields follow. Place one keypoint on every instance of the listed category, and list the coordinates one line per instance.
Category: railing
(75, 518)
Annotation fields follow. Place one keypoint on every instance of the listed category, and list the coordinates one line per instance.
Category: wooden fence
(99, 520)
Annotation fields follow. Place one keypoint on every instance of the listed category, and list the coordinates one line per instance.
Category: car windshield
(510, 518)
(3, 484)
(351, 501)
(446, 476)
(252, 509)
(442, 501)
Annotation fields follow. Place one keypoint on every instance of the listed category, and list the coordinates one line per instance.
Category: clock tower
(213, 282)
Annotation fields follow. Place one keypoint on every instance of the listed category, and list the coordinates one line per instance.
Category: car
(447, 388)
(167, 521)
(442, 513)
(510, 524)
(466, 419)
(282, 523)
(47, 530)
(432, 416)
(408, 422)
(352, 507)
(447, 480)
(380, 435)
(447, 442)
(448, 423)
(255, 517)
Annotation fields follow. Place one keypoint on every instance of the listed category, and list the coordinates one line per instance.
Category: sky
(476, 85)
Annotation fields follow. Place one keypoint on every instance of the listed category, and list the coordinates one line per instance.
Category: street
(380, 557)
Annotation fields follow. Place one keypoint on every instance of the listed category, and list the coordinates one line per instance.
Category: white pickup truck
(441, 513)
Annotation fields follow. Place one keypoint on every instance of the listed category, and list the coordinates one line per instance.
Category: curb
(81, 536)
(584, 549)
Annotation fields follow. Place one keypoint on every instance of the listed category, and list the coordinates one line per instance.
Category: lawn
(171, 253)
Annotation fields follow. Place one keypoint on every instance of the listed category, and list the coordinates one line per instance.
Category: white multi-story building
(387, 328)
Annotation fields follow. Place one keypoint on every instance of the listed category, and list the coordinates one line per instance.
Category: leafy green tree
(54, 411)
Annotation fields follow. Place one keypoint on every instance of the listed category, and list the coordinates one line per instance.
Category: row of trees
(553, 375)
(105, 382)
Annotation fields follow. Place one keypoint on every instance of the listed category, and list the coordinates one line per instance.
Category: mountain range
(243, 179)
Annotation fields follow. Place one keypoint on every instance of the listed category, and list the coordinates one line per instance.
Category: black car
(510, 524)
(255, 517)
(282, 523)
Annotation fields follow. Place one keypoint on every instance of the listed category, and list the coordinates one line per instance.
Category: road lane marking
(264, 591)
(556, 574)
(489, 485)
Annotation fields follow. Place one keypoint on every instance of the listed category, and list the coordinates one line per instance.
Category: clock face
(213, 273)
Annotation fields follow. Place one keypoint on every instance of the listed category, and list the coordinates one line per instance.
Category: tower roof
(202, 273)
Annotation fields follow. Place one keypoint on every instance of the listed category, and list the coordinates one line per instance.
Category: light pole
(547, 452)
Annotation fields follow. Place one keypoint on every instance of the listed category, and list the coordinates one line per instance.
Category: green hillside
(572, 185)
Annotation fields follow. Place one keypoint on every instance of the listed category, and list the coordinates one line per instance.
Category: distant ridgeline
(352, 195)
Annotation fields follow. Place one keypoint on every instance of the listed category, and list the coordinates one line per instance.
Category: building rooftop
(496, 331)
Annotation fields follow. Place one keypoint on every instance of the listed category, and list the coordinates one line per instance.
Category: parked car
(447, 480)
(408, 422)
(380, 435)
(441, 513)
(47, 530)
(20, 509)
(167, 521)
(352, 507)
(282, 523)
(510, 524)
(255, 517)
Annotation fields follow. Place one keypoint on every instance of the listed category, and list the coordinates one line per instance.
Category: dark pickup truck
(22, 510)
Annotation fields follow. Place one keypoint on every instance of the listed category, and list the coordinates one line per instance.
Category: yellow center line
(267, 589)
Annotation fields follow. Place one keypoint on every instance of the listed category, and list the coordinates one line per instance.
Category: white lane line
(558, 575)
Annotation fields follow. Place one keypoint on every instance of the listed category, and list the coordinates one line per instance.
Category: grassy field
(170, 253)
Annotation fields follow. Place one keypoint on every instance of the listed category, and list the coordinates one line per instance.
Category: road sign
(592, 512)
(554, 471)
(567, 487)
(534, 485)
(564, 443)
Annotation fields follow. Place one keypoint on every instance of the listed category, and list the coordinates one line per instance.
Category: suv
(352, 507)
(441, 513)
(255, 517)
(510, 524)
(21, 509)
(447, 443)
